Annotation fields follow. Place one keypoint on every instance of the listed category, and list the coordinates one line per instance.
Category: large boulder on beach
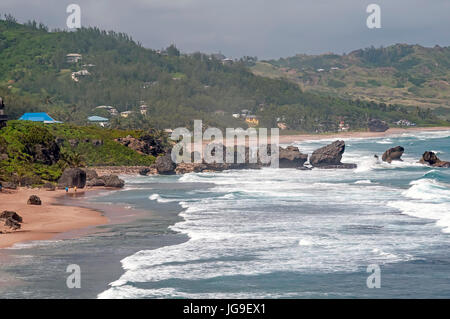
(34, 200)
(72, 177)
(393, 154)
(10, 214)
(113, 181)
(291, 157)
(165, 165)
(330, 156)
(95, 182)
(376, 125)
(90, 174)
(430, 158)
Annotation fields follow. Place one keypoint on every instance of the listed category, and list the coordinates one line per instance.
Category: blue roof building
(38, 117)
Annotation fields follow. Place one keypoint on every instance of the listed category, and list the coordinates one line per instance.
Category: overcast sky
(263, 28)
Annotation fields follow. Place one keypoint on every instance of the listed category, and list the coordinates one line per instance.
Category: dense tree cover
(178, 88)
(20, 140)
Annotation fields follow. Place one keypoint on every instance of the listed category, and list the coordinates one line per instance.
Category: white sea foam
(364, 181)
(159, 199)
(255, 222)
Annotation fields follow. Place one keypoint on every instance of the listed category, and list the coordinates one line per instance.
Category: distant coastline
(285, 139)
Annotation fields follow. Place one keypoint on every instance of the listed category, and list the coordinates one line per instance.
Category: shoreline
(49, 220)
(60, 218)
(284, 139)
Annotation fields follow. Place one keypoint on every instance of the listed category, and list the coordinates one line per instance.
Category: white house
(73, 57)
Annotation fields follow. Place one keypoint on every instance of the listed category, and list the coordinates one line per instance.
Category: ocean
(269, 233)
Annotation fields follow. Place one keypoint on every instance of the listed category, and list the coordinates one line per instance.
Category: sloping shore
(47, 220)
(285, 139)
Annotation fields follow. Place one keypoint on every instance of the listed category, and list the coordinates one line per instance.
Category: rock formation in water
(330, 156)
(393, 154)
(430, 158)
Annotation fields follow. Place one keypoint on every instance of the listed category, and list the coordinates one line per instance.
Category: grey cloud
(253, 27)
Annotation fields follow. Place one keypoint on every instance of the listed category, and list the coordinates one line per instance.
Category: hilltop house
(73, 57)
(3, 117)
(102, 121)
(38, 117)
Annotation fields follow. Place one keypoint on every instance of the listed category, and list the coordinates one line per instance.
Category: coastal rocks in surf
(107, 180)
(291, 157)
(330, 156)
(34, 200)
(72, 177)
(430, 158)
(113, 181)
(376, 125)
(151, 170)
(393, 154)
(164, 165)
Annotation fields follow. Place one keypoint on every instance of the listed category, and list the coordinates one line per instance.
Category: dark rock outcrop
(291, 157)
(34, 200)
(72, 177)
(147, 144)
(393, 154)
(9, 185)
(12, 224)
(95, 182)
(10, 214)
(47, 154)
(12, 221)
(113, 181)
(330, 156)
(165, 165)
(376, 125)
(90, 174)
(430, 158)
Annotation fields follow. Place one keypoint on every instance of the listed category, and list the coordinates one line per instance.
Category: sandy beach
(285, 139)
(47, 220)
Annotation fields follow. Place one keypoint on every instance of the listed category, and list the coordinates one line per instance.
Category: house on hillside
(76, 75)
(126, 113)
(252, 120)
(38, 117)
(73, 57)
(143, 109)
(3, 116)
(102, 121)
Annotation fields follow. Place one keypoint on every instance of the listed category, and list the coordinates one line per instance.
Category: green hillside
(32, 153)
(409, 75)
(35, 76)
